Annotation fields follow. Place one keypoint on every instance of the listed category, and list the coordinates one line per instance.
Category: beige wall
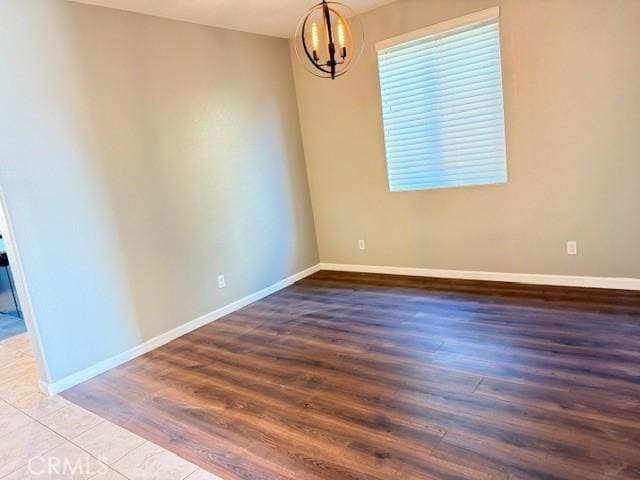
(571, 86)
(140, 158)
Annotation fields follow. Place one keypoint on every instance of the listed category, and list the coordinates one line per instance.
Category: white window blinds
(442, 105)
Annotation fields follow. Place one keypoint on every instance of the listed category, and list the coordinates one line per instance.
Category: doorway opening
(11, 316)
(21, 358)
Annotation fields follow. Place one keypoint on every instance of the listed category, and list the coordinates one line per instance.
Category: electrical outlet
(221, 282)
(361, 244)
(572, 247)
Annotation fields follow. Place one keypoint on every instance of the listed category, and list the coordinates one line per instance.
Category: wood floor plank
(347, 376)
(588, 403)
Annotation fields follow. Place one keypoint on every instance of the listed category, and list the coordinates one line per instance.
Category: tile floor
(50, 438)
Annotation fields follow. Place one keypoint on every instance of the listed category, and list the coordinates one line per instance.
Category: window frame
(466, 21)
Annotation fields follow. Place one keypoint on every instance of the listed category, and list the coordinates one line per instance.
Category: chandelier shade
(329, 39)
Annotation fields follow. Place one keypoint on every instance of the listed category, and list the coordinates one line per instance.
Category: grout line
(145, 441)
(72, 442)
(38, 454)
(112, 467)
(186, 477)
(125, 454)
(61, 436)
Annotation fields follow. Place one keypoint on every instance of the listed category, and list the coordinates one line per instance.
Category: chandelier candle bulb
(332, 51)
(342, 39)
(315, 41)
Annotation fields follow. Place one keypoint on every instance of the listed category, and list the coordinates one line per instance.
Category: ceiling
(268, 17)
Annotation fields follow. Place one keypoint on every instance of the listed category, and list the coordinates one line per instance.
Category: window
(442, 105)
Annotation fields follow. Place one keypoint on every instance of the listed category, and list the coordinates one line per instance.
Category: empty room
(318, 240)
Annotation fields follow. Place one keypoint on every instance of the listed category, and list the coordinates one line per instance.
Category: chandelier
(326, 42)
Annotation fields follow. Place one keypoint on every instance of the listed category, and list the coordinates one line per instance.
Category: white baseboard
(101, 367)
(529, 278)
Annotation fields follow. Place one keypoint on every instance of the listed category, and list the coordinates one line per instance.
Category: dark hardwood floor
(358, 376)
